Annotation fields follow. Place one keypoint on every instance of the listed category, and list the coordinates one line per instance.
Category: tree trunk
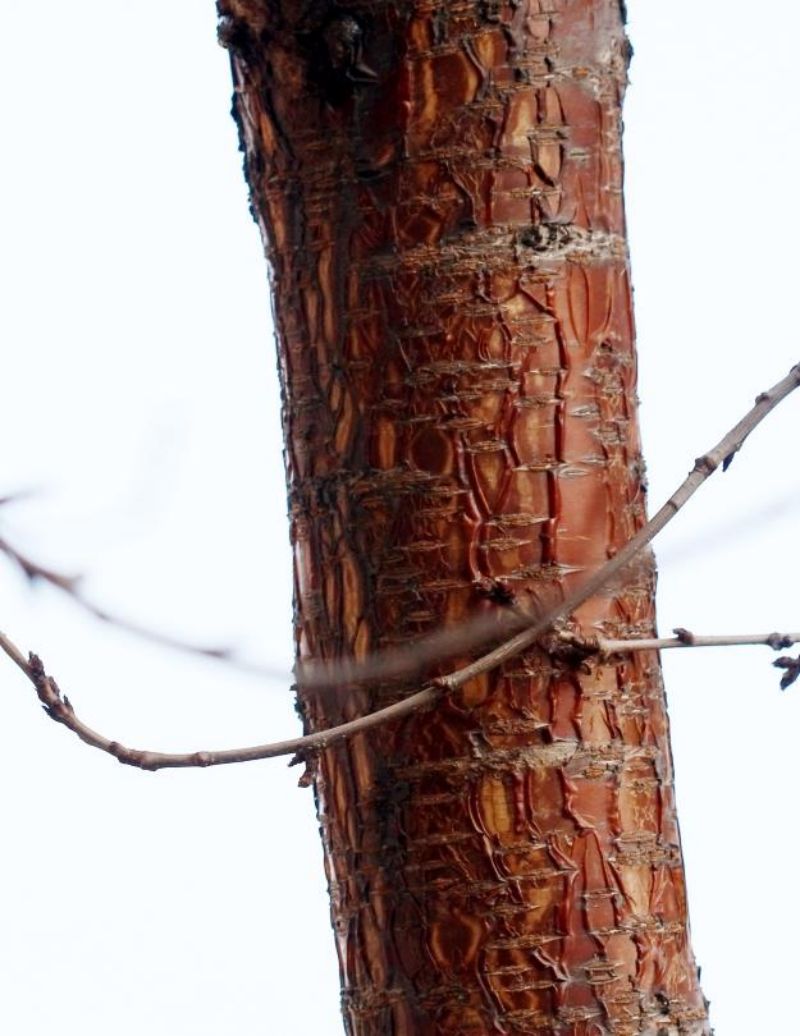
(439, 187)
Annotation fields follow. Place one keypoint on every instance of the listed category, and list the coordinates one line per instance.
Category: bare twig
(59, 708)
(20, 494)
(576, 648)
(71, 586)
(684, 639)
(409, 659)
(415, 655)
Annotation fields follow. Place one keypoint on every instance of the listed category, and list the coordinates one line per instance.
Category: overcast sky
(138, 399)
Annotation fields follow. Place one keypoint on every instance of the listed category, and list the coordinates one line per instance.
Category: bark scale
(439, 189)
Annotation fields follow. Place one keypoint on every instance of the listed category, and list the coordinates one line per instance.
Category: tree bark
(439, 189)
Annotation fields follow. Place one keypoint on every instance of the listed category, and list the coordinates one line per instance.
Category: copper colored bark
(439, 187)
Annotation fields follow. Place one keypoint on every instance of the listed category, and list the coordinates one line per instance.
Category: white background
(137, 396)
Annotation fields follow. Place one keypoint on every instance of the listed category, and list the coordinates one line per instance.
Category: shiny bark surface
(439, 187)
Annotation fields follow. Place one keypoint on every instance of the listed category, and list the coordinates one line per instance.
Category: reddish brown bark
(440, 192)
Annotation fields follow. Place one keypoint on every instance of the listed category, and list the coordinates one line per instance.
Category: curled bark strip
(58, 706)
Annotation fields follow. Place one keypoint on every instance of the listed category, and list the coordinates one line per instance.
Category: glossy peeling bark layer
(439, 188)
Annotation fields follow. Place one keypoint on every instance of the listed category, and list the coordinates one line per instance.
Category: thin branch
(575, 648)
(59, 708)
(409, 659)
(415, 655)
(686, 639)
(71, 587)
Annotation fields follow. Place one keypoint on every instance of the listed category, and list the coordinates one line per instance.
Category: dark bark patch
(431, 451)
(335, 56)
(542, 237)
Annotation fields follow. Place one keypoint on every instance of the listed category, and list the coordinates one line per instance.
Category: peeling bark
(439, 189)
